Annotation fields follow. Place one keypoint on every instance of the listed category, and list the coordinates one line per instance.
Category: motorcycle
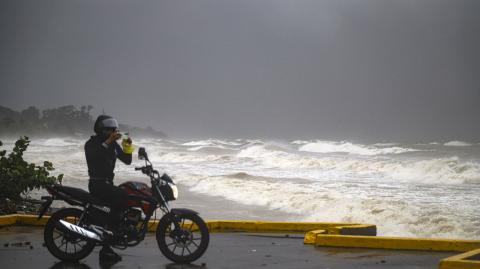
(71, 234)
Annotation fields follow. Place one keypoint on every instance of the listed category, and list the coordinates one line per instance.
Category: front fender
(183, 211)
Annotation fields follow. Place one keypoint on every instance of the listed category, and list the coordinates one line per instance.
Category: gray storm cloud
(370, 69)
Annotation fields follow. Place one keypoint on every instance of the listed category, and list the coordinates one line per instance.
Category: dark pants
(113, 196)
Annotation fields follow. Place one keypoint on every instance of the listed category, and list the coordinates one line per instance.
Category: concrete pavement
(21, 247)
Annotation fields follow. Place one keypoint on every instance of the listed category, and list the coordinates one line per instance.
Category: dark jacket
(101, 158)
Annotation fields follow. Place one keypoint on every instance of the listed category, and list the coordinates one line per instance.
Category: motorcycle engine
(133, 216)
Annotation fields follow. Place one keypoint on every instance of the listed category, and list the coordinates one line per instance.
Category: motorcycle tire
(54, 231)
(182, 238)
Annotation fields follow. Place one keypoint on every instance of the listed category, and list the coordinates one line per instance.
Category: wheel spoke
(77, 244)
(55, 238)
(193, 242)
(63, 243)
(188, 250)
(183, 250)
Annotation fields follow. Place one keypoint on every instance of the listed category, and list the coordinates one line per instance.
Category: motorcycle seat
(81, 195)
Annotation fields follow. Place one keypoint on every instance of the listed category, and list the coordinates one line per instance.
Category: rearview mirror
(142, 154)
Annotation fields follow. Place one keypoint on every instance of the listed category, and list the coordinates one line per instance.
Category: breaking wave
(444, 170)
(350, 148)
(212, 142)
(457, 144)
(318, 203)
(57, 142)
(438, 170)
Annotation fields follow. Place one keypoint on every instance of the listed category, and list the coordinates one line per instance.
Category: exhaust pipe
(80, 231)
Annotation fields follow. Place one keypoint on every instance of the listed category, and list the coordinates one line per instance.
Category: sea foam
(350, 148)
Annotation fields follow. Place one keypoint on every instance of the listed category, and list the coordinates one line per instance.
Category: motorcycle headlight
(174, 190)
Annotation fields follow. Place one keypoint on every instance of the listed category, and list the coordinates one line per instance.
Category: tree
(18, 177)
(7, 122)
(30, 115)
(6, 112)
(61, 119)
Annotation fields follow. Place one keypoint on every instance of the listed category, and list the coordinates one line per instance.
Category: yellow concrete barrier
(311, 236)
(384, 242)
(152, 225)
(341, 229)
(32, 220)
(467, 260)
(286, 227)
(19, 219)
(310, 228)
(8, 220)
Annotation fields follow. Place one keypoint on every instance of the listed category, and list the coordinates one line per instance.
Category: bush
(18, 177)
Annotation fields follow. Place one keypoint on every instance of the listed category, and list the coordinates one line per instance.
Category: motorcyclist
(101, 152)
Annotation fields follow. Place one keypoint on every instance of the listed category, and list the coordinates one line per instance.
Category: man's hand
(115, 135)
(127, 146)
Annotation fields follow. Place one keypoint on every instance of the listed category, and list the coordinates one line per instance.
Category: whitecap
(456, 143)
(198, 143)
(439, 170)
(350, 148)
(300, 142)
(57, 142)
(212, 142)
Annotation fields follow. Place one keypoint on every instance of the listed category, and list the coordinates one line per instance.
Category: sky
(375, 70)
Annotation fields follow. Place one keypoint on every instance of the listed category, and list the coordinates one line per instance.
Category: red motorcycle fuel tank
(140, 189)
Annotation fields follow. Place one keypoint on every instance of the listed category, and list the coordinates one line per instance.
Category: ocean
(422, 190)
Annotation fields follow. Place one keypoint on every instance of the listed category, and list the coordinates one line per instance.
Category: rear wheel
(182, 238)
(62, 243)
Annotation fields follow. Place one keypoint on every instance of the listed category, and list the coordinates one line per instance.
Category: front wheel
(182, 238)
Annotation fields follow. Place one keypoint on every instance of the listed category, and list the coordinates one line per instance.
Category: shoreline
(216, 207)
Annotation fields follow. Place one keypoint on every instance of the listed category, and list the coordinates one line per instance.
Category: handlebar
(148, 170)
(162, 178)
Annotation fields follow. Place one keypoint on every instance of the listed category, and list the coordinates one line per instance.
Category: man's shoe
(107, 253)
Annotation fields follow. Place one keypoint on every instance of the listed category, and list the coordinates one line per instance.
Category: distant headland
(65, 120)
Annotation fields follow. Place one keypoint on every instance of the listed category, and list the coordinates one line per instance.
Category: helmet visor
(110, 123)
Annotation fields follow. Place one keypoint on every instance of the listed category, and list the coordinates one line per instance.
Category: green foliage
(18, 177)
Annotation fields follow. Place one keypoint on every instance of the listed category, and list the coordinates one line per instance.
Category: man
(101, 152)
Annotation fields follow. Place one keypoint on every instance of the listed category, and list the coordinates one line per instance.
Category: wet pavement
(21, 247)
